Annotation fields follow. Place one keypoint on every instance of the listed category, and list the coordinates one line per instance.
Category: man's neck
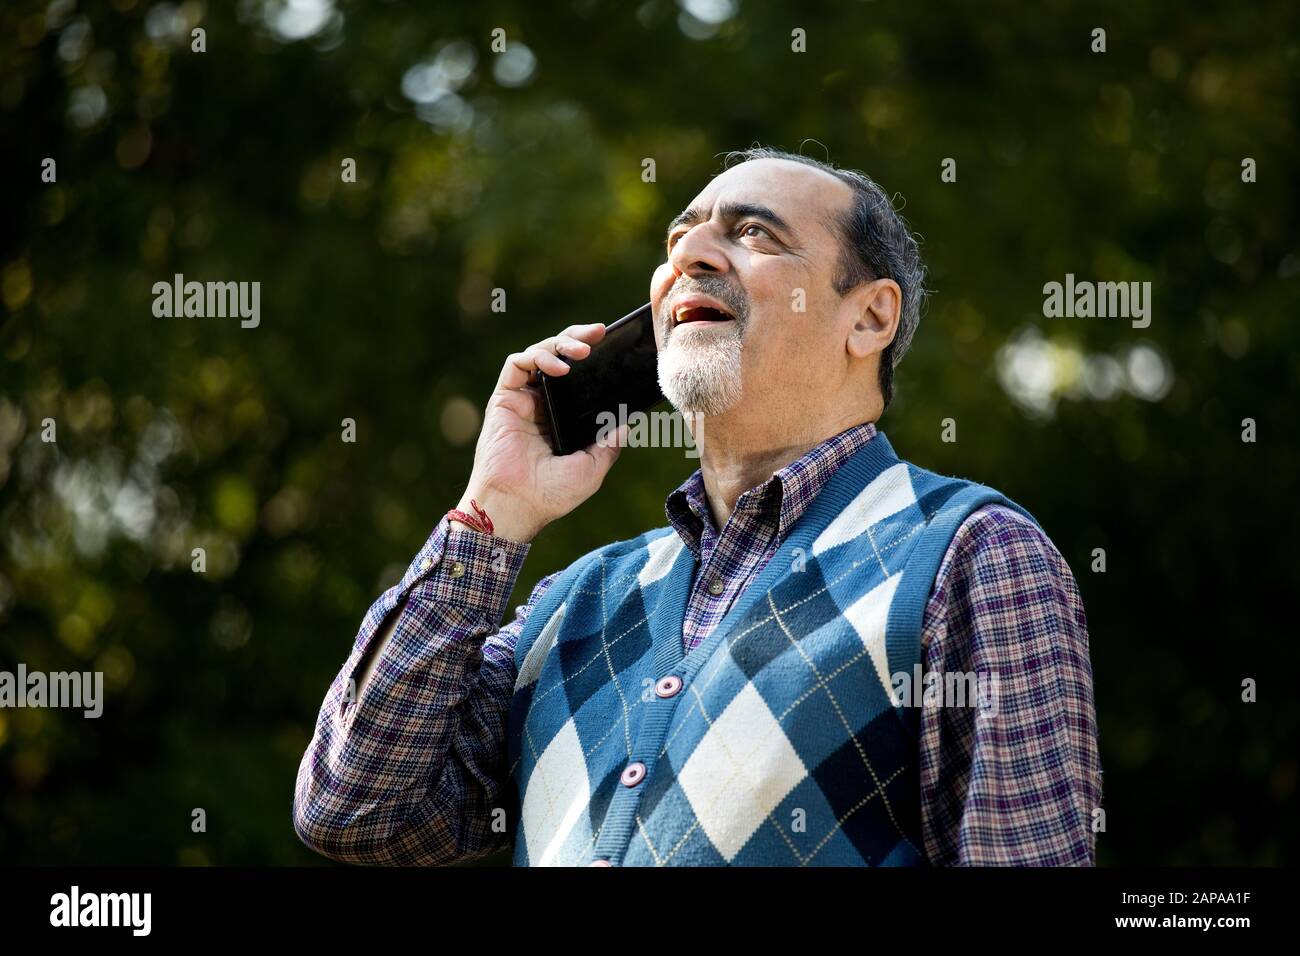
(735, 458)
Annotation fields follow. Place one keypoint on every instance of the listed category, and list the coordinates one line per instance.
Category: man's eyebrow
(730, 212)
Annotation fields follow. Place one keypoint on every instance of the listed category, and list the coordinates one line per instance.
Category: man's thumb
(608, 448)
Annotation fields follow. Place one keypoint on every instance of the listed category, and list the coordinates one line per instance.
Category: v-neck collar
(796, 486)
(669, 612)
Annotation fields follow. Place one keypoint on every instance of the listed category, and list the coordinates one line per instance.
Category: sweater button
(668, 686)
(632, 774)
(716, 587)
(600, 863)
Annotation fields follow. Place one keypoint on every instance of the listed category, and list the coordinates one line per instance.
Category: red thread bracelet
(481, 523)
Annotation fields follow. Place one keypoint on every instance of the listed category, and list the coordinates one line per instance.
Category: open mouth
(701, 314)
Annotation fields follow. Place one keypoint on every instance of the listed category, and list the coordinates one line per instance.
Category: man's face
(761, 243)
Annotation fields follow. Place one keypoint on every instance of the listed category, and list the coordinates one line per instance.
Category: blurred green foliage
(522, 171)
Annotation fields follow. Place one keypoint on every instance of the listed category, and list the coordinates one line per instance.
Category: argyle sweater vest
(778, 740)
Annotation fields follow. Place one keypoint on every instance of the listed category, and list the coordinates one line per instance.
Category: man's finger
(527, 403)
(574, 348)
(576, 340)
(544, 358)
(591, 333)
(520, 366)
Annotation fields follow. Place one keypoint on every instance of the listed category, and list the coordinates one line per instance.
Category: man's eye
(753, 225)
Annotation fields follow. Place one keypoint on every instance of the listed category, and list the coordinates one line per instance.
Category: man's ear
(875, 307)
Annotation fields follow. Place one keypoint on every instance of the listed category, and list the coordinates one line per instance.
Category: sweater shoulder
(630, 548)
(624, 556)
(939, 495)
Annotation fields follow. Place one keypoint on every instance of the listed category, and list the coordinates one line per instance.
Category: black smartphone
(622, 369)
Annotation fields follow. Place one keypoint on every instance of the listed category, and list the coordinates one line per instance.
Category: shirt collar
(785, 496)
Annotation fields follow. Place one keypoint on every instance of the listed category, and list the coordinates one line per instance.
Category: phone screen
(621, 370)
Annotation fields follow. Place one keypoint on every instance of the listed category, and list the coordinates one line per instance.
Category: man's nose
(697, 251)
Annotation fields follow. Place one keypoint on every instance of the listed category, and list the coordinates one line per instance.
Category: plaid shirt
(412, 771)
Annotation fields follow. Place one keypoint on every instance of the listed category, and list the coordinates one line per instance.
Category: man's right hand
(517, 478)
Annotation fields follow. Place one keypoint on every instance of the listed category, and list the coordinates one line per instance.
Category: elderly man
(731, 688)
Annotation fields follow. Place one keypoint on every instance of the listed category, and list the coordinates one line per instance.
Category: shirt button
(632, 774)
(458, 569)
(668, 686)
(600, 863)
(426, 564)
(716, 586)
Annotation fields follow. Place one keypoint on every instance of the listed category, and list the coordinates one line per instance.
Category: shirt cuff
(468, 569)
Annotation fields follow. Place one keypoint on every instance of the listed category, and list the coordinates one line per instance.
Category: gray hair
(875, 244)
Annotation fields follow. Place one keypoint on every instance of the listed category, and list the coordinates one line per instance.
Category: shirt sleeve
(412, 770)
(1014, 780)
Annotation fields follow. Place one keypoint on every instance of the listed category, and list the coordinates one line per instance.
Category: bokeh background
(522, 171)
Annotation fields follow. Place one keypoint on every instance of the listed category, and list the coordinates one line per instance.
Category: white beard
(701, 377)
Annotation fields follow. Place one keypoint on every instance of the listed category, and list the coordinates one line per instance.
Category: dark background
(523, 172)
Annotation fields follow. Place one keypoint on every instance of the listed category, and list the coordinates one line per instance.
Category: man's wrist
(506, 522)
